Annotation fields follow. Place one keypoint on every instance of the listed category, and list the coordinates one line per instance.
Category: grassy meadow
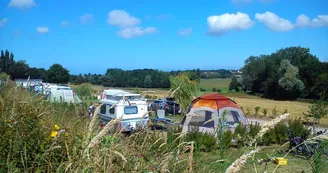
(37, 136)
(248, 102)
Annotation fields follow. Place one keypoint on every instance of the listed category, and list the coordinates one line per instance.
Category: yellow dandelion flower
(53, 134)
(57, 127)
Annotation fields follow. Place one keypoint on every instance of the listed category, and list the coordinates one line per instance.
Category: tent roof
(214, 97)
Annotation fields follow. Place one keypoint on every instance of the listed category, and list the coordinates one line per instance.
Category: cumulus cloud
(218, 25)
(320, 21)
(64, 24)
(21, 3)
(3, 22)
(136, 32)
(122, 19)
(274, 22)
(185, 31)
(87, 18)
(42, 30)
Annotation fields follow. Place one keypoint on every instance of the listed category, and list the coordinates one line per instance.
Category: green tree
(3, 76)
(316, 111)
(321, 86)
(234, 84)
(57, 74)
(19, 70)
(186, 89)
(292, 87)
(147, 81)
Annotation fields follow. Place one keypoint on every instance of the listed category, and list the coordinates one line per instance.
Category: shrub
(257, 109)
(203, 141)
(248, 111)
(297, 128)
(265, 111)
(83, 90)
(214, 90)
(269, 137)
(254, 129)
(202, 89)
(240, 135)
(281, 130)
(218, 90)
(274, 111)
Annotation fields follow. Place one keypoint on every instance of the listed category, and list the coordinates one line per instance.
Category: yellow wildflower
(53, 134)
(57, 127)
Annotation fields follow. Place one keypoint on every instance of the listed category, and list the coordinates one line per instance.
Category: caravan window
(103, 109)
(203, 117)
(130, 110)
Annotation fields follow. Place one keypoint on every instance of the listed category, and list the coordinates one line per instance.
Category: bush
(257, 109)
(214, 89)
(240, 135)
(281, 130)
(203, 141)
(254, 129)
(274, 111)
(202, 89)
(218, 90)
(269, 137)
(265, 111)
(84, 90)
(297, 128)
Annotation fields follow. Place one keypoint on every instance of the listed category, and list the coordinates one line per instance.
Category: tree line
(288, 73)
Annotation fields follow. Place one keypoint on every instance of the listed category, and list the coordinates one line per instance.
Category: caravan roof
(117, 92)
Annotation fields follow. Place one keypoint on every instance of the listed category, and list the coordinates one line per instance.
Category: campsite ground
(248, 102)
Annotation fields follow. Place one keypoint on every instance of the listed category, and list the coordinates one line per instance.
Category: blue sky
(91, 36)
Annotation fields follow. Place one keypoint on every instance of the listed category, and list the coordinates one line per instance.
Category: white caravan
(59, 93)
(131, 107)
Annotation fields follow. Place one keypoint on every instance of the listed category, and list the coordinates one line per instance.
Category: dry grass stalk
(92, 123)
(172, 94)
(237, 164)
(101, 134)
(191, 156)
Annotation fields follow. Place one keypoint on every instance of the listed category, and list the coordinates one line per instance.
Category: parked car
(159, 104)
(174, 108)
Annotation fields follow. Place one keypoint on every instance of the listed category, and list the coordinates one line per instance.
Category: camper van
(132, 108)
(61, 93)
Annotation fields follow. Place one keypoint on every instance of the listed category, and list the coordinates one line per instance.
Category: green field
(209, 84)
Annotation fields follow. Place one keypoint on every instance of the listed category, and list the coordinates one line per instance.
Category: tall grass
(26, 144)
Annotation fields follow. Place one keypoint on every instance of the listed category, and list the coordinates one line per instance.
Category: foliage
(57, 74)
(83, 90)
(240, 135)
(321, 86)
(202, 89)
(318, 160)
(317, 110)
(257, 109)
(203, 141)
(254, 129)
(37, 136)
(261, 74)
(265, 111)
(234, 84)
(274, 111)
(214, 89)
(291, 86)
(297, 128)
(269, 137)
(3, 76)
(215, 74)
(148, 81)
(281, 131)
(186, 91)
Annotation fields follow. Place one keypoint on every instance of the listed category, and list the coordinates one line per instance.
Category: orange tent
(206, 111)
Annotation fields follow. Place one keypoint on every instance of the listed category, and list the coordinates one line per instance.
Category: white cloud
(218, 25)
(274, 22)
(87, 18)
(64, 23)
(320, 21)
(136, 32)
(21, 3)
(185, 31)
(42, 30)
(122, 19)
(3, 22)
